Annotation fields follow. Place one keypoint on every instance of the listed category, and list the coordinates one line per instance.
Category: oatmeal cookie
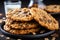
(45, 19)
(53, 8)
(23, 14)
(13, 31)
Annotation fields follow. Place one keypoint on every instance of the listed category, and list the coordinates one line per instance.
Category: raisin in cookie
(45, 19)
(53, 8)
(13, 31)
(23, 14)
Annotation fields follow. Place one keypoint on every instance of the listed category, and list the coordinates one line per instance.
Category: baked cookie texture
(16, 31)
(23, 14)
(8, 21)
(26, 21)
(53, 8)
(45, 19)
(25, 25)
(22, 25)
(18, 27)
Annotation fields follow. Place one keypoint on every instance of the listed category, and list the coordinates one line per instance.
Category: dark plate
(25, 36)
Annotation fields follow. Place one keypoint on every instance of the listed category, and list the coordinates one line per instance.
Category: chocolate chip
(44, 16)
(54, 22)
(55, 7)
(49, 21)
(25, 12)
(43, 20)
(29, 13)
(19, 11)
(26, 15)
(40, 19)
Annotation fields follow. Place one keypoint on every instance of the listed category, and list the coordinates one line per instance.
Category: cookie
(45, 19)
(53, 8)
(13, 31)
(23, 14)
(21, 25)
(8, 21)
(10, 13)
(24, 25)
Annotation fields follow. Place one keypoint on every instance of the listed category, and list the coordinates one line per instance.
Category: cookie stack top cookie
(23, 14)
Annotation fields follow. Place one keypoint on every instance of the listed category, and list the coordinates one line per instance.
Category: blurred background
(26, 3)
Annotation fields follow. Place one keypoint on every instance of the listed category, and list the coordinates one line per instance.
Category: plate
(24, 36)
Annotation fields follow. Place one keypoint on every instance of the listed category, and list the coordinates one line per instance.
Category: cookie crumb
(1, 35)
(4, 18)
(55, 35)
(53, 38)
(42, 31)
(0, 14)
(46, 38)
(18, 39)
(7, 37)
(1, 20)
(34, 33)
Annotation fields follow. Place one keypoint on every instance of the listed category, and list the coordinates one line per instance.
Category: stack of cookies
(20, 21)
(27, 21)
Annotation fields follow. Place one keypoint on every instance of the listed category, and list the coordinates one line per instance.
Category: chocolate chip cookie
(16, 31)
(23, 25)
(45, 19)
(23, 14)
(53, 8)
(8, 21)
